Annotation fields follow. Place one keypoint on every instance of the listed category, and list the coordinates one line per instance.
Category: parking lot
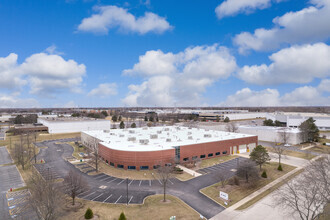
(230, 165)
(19, 206)
(4, 156)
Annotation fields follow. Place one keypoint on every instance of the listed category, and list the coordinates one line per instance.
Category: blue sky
(85, 53)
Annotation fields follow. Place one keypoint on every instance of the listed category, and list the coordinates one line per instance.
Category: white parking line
(130, 182)
(102, 176)
(149, 182)
(105, 178)
(120, 182)
(97, 196)
(170, 181)
(159, 182)
(118, 199)
(88, 195)
(83, 192)
(107, 198)
(112, 180)
(140, 182)
(130, 199)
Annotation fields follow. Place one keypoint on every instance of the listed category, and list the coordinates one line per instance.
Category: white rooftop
(159, 138)
(273, 128)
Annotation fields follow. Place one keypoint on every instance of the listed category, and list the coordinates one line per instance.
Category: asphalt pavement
(108, 189)
(4, 156)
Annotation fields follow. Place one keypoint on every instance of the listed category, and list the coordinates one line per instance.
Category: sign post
(224, 195)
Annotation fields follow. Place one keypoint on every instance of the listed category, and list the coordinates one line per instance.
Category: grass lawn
(323, 149)
(237, 193)
(268, 191)
(77, 150)
(153, 208)
(40, 137)
(135, 174)
(215, 161)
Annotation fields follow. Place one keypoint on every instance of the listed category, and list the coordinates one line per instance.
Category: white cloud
(302, 96)
(233, 7)
(12, 101)
(108, 17)
(297, 64)
(10, 77)
(308, 25)
(104, 90)
(48, 73)
(45, 73)
(179, 79)
(324, 85)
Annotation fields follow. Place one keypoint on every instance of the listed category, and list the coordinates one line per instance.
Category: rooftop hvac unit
(159, 132)
(145, 128)
(131, 138)
(121, 135)
(178, 128)
(153, 136)
(207, 135)
(112, 134)
(106, 131)
(189, 132)
(144, 141)
(168, 139)
(190, 137)
(131, 131)
(166, 129)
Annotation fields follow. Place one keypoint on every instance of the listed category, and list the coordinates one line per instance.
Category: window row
(204, 156)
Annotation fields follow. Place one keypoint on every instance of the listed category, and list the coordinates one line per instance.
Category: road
(109, 189)
(292, 148)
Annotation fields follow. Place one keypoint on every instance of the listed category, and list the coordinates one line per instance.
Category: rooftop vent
(190, 137)
(106, 131)
(159, 132)
(145, 128)
(131, 138)
(144, 141)
(166, 129)
(168, 139)
(121, 135)
(112, 134)
(207, 135)
(153, 136)
(189, 132)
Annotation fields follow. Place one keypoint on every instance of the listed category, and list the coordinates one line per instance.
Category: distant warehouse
(148, 148)
(70, 124)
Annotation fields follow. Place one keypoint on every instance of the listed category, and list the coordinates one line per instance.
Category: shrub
(89, 214)
(280, 167)
(122, 216)
(264, 174)
(324, 143)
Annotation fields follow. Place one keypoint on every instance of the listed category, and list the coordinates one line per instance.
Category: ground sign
(224, 195)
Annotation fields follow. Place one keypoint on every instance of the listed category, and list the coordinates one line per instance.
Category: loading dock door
(252, 146)
(242, 148)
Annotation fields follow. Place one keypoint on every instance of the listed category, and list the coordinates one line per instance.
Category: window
(156, 166)
(168, 164)
(224, 152)
(144, 167)
(194, 157)
(217, 153)
(210, 155)
(186, 159)
(120, 166)
(106, 161)
(131, 167)
(202, 156)
(112, 164)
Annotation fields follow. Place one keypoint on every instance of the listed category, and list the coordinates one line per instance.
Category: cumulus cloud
(233, 7)
(45, 73)
(107, 17)
(10, 77)
(301, 96)
(104, 90)
(12, 101)
(324, 85)
(180, 78)
(296, 64)
(308, 25)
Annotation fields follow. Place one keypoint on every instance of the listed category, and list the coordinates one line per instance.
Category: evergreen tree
(259, 155)
(122, 125)
(122, 216)
(309, 131)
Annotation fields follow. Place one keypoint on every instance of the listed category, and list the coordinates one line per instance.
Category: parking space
(230, 165)
(47, 171)
(19, 206)
(4, 156)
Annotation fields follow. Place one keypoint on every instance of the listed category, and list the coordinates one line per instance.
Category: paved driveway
(108, 189)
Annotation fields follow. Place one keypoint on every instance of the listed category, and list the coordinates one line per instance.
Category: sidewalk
(230, 212)
(191, 172)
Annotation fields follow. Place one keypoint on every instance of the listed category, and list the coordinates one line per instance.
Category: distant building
(148, 148)
(272, 134)
(71, 124)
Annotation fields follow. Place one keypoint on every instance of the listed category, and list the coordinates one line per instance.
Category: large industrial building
(148, 148)
(70, 124)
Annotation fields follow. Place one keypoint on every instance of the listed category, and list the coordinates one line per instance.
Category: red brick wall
(136, 158)
(151, 158)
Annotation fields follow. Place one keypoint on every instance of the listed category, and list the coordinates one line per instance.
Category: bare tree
(46, 198)
(281, 146)
(248, 170)
(308, 194)
(164, 173)
(35, 135)
(74, 184)
(20, 154)
(94, 154)
(223, 177)
(232, 127)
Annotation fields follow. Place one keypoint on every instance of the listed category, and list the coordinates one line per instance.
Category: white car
(287, 145)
